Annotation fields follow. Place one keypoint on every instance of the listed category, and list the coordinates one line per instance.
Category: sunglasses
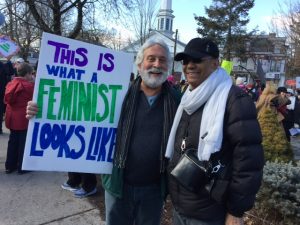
(193, 60)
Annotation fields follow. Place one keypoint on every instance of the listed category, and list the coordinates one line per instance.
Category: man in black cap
(217, 120)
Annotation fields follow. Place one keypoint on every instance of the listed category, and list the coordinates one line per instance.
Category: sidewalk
(295, 143)
(36, 198)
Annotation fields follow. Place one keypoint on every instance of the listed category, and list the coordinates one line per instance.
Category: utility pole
(175, 45)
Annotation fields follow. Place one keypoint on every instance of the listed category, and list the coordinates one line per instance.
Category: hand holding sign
(8, 48)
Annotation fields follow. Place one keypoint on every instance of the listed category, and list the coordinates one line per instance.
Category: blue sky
(184, 20)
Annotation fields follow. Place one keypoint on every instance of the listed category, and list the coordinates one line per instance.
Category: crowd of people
(16, 89)
(208, 117)
(284, 100)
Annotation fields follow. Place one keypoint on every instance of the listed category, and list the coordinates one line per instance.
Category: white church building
(164, 30)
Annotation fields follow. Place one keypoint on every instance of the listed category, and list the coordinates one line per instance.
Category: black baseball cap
(198, 48)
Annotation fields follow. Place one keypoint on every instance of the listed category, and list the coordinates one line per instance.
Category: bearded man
(136, 189)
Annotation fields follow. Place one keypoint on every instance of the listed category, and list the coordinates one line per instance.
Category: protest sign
(227, 65)
(297, 82)
(7, 47)
(79, 90)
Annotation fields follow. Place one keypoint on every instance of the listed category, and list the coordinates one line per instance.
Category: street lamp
(248, 71)
(175, 45)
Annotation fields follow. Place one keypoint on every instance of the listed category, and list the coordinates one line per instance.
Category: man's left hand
(232, 220)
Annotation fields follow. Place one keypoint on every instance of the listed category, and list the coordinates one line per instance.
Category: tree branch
(37, 16)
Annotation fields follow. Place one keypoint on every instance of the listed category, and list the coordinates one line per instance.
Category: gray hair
(149, 43)
(24, 69)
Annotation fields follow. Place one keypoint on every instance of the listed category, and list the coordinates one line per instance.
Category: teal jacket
(113, 183)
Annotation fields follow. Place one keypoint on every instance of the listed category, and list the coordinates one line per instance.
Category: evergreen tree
(226, 24)
(275, 144)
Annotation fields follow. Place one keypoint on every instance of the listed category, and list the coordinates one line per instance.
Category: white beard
(152, 81)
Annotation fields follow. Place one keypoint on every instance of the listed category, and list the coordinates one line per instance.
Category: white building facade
(268, 50)
(164, 31)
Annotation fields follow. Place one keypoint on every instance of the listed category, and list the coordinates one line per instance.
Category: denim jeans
(139, 206)
(182, 220)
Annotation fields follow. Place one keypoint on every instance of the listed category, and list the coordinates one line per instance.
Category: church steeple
(165, 18)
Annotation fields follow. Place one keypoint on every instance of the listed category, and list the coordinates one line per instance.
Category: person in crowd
(292, 115)
(131, 78)
(281, 104)
(268, 98)
(171, 80)
(17, 93)
(297, 93)
(137, 187)
(259, 87)
(217, 121)
(251, 89)
(275, 143)
(183, 86)
(297, 108)
(81, 184)
(240, 82)
(18, 62)
(174, 83)
(6, 71)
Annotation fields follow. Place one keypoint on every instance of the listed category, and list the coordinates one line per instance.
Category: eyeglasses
(193, 60)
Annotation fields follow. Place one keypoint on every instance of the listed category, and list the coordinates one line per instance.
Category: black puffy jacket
(241, 144)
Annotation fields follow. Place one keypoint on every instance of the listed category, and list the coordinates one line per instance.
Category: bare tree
(78, 19)
(59, 12)
(20, 25)
(71, 12)
(287, 23)
(140, 17)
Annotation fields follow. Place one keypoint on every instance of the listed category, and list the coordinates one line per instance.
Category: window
(275, 66)
(276, 50)
(168, 24)
(162, 23)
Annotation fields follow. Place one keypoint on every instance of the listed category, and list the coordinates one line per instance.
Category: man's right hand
(31, 109)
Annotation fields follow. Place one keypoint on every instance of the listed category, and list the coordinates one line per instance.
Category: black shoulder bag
(194, 174)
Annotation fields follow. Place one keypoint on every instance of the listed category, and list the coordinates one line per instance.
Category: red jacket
(17, 93)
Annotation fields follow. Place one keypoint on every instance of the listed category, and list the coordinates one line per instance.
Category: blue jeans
(139, 206)
(183, 220)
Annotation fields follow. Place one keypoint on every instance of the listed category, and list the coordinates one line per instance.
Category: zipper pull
(183, 145)
(216, 168)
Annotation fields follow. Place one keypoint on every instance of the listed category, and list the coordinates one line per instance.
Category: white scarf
(214, 91)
